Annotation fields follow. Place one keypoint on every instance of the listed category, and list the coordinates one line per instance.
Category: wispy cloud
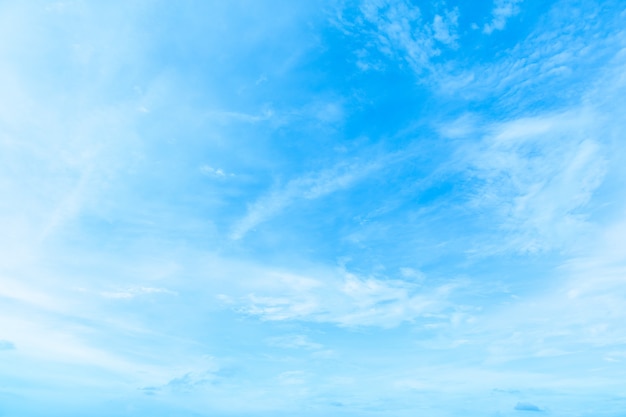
(537, 174)
(308, 187)
(347, 300)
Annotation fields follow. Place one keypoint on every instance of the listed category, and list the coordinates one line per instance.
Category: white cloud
(544, 175)
(555, 61)
(444, 27)
(398, 30)
(214, 172)
(502, 11)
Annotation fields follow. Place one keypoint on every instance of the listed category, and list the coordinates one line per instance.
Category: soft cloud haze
(278, 208)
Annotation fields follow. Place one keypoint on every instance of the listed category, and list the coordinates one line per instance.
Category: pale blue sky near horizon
(340, 208)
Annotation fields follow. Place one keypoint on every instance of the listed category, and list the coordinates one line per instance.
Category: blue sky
(341, 208)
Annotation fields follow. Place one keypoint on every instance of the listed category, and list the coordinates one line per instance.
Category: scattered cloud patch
(191, 381)
(209, 171)
(502, 11)
(445, 27)
(546, 66)
(397, 30)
